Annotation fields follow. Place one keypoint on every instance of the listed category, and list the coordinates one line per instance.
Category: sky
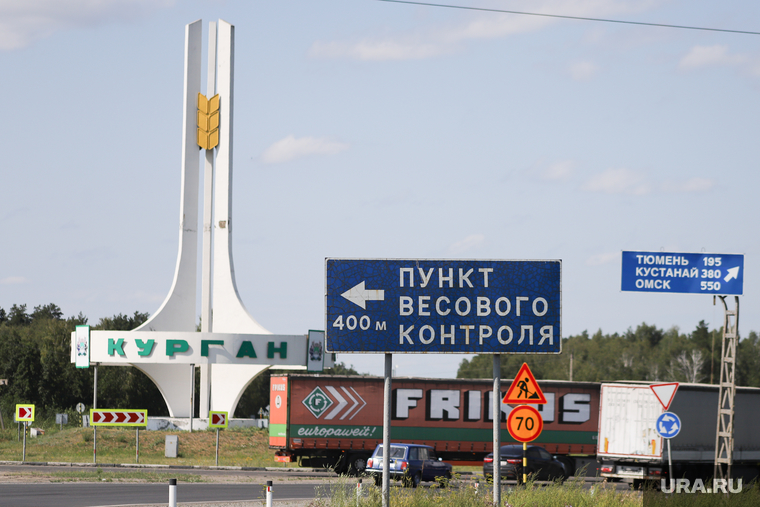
(371, 129)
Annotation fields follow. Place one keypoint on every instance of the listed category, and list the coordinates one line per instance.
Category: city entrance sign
(443, 306)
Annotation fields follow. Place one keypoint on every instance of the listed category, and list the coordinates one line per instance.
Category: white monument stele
(232, 348)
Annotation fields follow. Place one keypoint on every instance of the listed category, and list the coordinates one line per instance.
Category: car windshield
(396, 451)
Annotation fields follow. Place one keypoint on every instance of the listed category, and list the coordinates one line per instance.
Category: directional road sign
(118, 417)
(665, 393)
(524, 389)
(668, 425)
(25, 413)
(443, 306)
(217, 419)
(525, 423)
(683, 272)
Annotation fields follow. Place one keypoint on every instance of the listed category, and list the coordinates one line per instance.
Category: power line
(640, 23)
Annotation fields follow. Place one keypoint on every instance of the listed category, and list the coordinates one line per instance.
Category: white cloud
(603, 258)
(420, 44)
(471, 242)
(25, 21)
(377, 50)
(704, 56)
(625, 181)
(13, 280)
(290, 148)
(618, 181)
(583, 71)
(689, 186)
(561, 171)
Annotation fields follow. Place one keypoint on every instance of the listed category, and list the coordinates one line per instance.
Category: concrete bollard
(269, 493)
(172, 492)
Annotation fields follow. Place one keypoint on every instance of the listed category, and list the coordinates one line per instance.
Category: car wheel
(357, 464)
(416, 478)
(378, 479)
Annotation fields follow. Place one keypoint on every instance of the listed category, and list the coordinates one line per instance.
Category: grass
(100, 475)
(569, 494)
(467, 495)
(237, 447)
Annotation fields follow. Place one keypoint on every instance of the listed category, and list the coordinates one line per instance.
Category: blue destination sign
(443, 306)
(683, 272)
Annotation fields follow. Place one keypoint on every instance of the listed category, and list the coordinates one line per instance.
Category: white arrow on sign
(732, 274)
(359, 295)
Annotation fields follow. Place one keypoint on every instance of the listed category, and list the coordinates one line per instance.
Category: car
(410, 463)
(540, 462)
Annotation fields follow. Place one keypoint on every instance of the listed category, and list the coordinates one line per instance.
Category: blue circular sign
(668, 425)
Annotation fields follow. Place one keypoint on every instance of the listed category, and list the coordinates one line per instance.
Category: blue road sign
(668, 425)
(683, 272)
(443, 306)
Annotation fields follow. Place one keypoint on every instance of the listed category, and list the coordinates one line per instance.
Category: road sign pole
(94, 406)
(217, 447)
(670, 463)
(137, 445)
(387, 394)
(525, 462)
(496, 429)
(724, 434)
(23, 456)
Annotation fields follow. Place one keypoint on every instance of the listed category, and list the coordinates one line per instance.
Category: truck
(630, 447)
(337, 421)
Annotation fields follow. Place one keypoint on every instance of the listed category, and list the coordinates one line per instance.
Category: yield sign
(217, 419)
(665, 393)
(524, 389)
(118, 417)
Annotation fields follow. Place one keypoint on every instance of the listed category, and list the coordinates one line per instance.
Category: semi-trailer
(337, 421)
(631, 448)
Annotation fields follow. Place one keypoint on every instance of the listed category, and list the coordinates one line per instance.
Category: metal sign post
(724, 437)
(668, 425)
(496, 429)
(387, 399)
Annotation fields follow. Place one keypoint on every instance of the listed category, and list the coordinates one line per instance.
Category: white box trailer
(629, 446)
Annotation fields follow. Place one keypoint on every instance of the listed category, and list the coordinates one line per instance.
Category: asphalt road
(74, 494)
(233, 488)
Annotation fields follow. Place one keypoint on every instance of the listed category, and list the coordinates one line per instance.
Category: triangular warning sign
(524, 389)
(665, 393)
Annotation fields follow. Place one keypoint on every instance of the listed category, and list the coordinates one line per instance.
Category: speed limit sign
(525, 423)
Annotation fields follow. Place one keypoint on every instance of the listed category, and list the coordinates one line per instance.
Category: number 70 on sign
(525, 423)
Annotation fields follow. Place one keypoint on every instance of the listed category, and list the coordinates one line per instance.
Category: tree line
(645, 353)
(35, 358)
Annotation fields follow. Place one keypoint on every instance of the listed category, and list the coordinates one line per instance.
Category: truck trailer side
(337, 421)
(629, 446)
